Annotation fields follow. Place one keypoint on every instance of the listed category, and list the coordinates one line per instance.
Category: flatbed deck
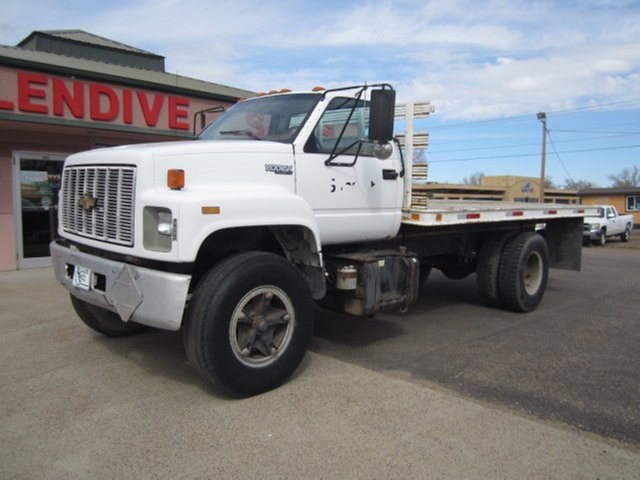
(463, 212)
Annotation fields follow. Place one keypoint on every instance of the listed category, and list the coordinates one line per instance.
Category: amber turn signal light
(175, 179)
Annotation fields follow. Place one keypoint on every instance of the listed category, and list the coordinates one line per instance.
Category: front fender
(202, 214)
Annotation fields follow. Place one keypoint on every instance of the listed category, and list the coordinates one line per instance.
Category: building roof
(65, 64)
(487, 187)
(81, 44)
(594, 192)
(459, 187)
(80, 36)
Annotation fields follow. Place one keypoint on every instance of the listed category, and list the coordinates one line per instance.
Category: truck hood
(207, 164)
(127, 153)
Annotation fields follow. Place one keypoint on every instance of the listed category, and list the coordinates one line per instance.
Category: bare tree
(473, 179)
(548, 182)
(578, 184)
(629, 177)
(420, 155)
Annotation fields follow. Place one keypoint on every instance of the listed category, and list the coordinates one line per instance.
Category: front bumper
(591, 234)
(145, 296)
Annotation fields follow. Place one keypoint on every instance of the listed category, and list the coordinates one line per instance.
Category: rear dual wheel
(488, 268)
(513, 271)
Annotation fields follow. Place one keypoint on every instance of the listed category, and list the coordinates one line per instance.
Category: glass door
(37, 179)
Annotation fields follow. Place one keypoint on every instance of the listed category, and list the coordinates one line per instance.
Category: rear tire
(249, 323)
(626, 235)
(524, 270)
(489, 267)
(104, 321)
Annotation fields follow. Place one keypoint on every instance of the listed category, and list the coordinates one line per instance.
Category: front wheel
(602, 238)
(523, 272)
(249, 323)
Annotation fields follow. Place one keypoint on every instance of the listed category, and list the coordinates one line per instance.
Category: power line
(530, 144)
(596, 106)
(597, 131)
(478, 122)
(555, 150)
(530, 115)
(519, 155)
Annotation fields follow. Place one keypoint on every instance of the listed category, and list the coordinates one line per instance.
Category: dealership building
(62, 92)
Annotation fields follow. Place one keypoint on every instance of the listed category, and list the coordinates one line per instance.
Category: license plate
(82, 277)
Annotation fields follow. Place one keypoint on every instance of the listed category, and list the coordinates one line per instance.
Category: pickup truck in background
(607, 223)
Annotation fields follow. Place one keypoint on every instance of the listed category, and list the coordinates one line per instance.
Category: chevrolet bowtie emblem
(87, 202)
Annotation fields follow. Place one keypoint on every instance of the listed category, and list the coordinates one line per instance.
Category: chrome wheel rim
(261, 326)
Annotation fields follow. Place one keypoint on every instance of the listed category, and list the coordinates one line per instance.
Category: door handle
(389, 174)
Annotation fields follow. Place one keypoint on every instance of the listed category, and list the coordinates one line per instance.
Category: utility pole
(542, 116)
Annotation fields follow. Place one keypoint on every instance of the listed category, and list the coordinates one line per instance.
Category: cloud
(511, 87)
(472, 60)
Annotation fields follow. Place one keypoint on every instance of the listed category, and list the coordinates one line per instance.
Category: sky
(487, 67)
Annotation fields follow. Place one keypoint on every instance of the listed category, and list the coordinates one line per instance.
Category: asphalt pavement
(574, 359)
(451, 389)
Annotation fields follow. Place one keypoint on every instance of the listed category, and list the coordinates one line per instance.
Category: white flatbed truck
(284, 200)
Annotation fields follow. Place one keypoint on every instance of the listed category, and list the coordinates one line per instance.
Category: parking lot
(451, 389)
(574, 359)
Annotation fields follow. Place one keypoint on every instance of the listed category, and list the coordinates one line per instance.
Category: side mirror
(202, 116)
(382, 114)
(382, 151)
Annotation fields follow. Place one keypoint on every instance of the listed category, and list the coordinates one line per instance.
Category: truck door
(356, 196)
(615, 226)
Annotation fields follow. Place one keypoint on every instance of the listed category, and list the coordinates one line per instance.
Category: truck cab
(354, 195)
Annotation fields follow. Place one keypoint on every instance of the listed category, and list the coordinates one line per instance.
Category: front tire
(602, 238)
(524, 270)
(104, 321)
(249, 323)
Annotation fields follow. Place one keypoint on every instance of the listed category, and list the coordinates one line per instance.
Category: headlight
(595, 226)
(159, 229)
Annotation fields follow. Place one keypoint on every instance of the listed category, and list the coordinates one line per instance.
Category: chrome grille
(98, 202)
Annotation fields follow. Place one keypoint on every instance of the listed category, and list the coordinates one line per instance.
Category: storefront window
(39, 183)
(633, 203)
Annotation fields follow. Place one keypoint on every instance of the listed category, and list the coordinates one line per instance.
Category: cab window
(277, 118)
(331, 124)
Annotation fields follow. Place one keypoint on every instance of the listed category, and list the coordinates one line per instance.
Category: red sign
(25, 92)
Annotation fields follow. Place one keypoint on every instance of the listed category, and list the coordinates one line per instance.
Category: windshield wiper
(246, 133)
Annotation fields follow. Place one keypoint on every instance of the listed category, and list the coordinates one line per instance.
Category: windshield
(276, 118)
